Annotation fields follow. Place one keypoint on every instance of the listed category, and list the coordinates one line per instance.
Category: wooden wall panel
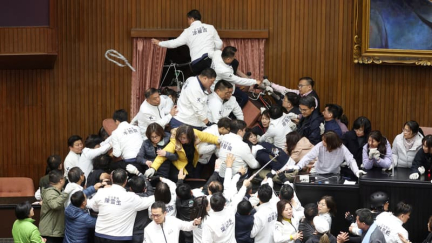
(40, 109)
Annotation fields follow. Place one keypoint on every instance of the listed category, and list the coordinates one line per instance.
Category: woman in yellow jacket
(184, 140)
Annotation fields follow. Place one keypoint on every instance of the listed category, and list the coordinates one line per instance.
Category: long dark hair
(292, 139)
(199, 208)
(382, 141)
(188, 130)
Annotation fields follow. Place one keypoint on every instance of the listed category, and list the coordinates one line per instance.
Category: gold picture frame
(364, 54)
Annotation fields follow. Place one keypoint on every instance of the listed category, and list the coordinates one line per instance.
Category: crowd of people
(129, 186)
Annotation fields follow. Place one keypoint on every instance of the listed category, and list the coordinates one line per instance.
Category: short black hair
(162, 193)
(55, 176)
(309, 80)
(286, 192)
(159, 204)
(120, 115)
(224, 122)
(265, 193)
(53, 162)
(167, 91)
(244, 207)
(72, 139)
(102, 162)
(194, 14)
(427, 141)
(363, 122)
(310, 211)
(92, 140)
(365, 216)
(137, 184)
(275, 111)
(149, 92)
(237, 125)
(74, 174)
(208, 72)
(229, 51)
(402, 208)
(308, 101)
(223, 85)
(293, 98)
(217, 202)
(22, 210)
(183, 191)
(334, 110)
(119, 176)
(77, 199)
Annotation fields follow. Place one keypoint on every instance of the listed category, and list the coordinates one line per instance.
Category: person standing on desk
(202, 40)
(331, 153)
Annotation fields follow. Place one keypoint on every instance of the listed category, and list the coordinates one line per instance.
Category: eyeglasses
(156, 215)
(406, 130)
(303, 110)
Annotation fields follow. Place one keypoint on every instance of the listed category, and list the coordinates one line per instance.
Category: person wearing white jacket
(390, 224)
(233, 143)
(202, 40)
(126, 139)
(166, 229)
(94, 146)
(152, 110)
(221, 102)
(266, 215)
(206, 150)
(192, 104)
(280, 126)
(286, 228)
(75, 148)
(220, 224)
(117, 209)
(406, 145)
(221, 64)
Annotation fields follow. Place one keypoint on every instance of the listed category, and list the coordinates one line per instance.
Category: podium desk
(347, 197)
(417, 193)
(7, 212)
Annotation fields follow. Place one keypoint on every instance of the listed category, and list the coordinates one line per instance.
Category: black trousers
(199, 66)
(53, 239)
(103, 240)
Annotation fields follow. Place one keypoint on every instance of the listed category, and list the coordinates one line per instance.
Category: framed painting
(393, 32)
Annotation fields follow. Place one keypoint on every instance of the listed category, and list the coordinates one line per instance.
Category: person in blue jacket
(78, 220)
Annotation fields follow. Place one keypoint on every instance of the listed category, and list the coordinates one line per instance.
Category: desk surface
(401, 176)
(328, 180)
(11, 202)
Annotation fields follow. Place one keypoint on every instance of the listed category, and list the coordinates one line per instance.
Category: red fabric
(148, 62)
(250, 54)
